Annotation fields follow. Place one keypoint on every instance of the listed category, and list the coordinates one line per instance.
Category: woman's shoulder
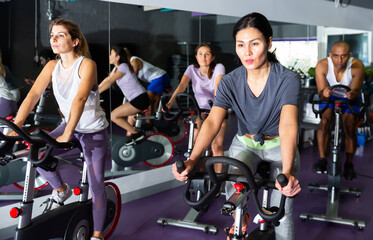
(219, 67)
(279, 69)
(123, 67)
(51, 64)
(88, 63)
(231, 77)
(237, 72)
(191, 71)
(191, 67)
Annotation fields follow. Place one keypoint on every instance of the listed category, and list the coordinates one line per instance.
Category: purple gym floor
(138, 220)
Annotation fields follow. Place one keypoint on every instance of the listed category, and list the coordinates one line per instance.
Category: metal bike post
(28, 195)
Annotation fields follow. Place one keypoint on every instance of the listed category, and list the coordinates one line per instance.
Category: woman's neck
(260, 74)
(68, 59)
(204, 71)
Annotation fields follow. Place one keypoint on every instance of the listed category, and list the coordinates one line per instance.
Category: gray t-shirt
(258, 115)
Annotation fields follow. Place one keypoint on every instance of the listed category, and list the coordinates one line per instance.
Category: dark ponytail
(123, 58)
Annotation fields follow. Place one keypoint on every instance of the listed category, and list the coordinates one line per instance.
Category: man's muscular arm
(357, 72)
(321, 82)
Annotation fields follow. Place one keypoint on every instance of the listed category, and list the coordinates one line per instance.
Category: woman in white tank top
(74, 81)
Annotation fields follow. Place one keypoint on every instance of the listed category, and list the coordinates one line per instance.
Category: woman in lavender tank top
(205, 75)
(133, 91)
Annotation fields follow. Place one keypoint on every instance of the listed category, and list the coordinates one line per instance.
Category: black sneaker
(135, 138)
(349, 172)
(321, 166)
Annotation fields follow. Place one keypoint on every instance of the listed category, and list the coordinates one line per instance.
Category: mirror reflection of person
(11, 82)
(205, 75)
(264, 96)
(338, 68)
(138, 100)
(45, 56)
(8, 101)
(74, 81)
(157, 78)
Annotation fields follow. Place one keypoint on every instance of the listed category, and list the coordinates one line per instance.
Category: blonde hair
(82, 47)
(2, 69)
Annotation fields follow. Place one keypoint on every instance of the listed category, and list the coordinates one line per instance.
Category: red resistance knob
(77, 191)
(338, 105)
(238, 187)
(15, 212)
(10, 118)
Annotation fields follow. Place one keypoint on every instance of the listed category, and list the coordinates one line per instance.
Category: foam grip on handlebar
(48, 139)
(282, 180)
(180, 166)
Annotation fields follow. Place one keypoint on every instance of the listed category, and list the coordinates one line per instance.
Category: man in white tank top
(338, 68)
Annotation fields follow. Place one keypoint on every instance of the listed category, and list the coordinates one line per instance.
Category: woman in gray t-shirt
(264, 96)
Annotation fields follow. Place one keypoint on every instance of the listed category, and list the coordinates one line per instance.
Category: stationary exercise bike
(156, 150)
(13, 170)
(198, 186)
(70, 221)
(189, 113)
(245, 184)
(40, 117)
(334, 169)
(13, 165)
(175, 128)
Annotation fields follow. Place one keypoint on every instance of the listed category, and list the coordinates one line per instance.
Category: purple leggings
(95, 148)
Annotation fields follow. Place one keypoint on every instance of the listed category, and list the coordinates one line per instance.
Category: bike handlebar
(218, 179)
(167, 115)
(329, 101)
(38, 140)
(182, 110)
(52, 142)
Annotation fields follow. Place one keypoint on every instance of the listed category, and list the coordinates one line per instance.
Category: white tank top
(65, 84)
(148, 72)
(4, 90)
(346, 79)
